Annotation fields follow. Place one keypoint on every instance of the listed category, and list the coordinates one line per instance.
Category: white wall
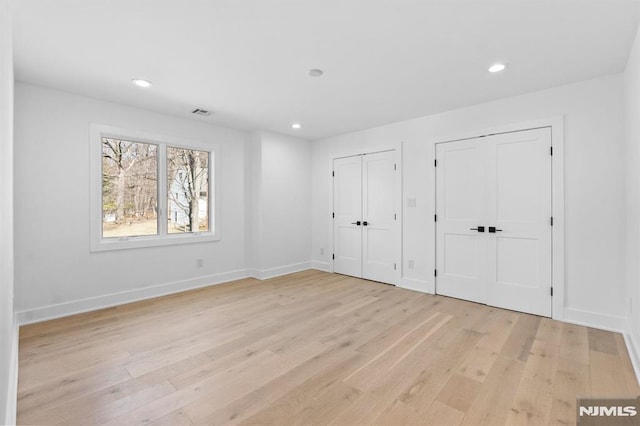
(53, 263)
(7, 328)
(281, 186)
(594, 187)
(632, 110)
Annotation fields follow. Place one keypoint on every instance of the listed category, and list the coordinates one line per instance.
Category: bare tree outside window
(188, 190)
(129, 188)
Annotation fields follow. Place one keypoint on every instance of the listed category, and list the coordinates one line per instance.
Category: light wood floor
(313, 348)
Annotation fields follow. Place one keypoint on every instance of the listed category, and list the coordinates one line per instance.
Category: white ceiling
(384, 60)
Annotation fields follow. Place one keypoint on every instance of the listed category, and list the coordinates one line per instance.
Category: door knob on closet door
(365, 223)
(492, 229)
(479, 229)
(356, 223)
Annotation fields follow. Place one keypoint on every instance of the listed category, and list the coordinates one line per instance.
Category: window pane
(188, 190)
(129, 188)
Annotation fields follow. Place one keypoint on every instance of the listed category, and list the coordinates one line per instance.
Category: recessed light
(296, 126)
(315, 72)
(497, 67)
(141, 83)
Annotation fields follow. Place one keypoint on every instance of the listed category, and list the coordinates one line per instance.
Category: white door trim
(557, 193)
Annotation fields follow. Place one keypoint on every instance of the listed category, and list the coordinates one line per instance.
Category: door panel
(347, 205)
(379, 238)
(519, 197)
(463, 181)
(465, 263)
(461, 205)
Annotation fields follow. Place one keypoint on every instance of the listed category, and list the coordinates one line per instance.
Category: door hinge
(551, 221)
(551, 150)
(435, 272)
(551, 291)
(435, 217)
(395, 266)
(435, 163)
(395, 216)
(333, 256)
(395, 167)
(333, 215)
(333, 173)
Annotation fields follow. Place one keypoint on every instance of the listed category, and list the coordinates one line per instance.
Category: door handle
(492, 229)
(356, 223)
(479, 229)
(365, 223)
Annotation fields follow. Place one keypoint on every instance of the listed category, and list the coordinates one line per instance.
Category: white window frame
(163, 238)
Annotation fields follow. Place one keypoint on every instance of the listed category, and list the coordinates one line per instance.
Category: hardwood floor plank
(572, 380)
(459, 392)
(607, 375)
(534, 396)
(438, 368)
(494, 402)
(274, 393)
(438, 414)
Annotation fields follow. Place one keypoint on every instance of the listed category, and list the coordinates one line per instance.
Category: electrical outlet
(411, 264)
(199, 263)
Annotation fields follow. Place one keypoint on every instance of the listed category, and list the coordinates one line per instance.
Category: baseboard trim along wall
(595, 320)
(417, 285)
(633, 349)
(115, 299)
(12, 387)
(265, 274)
(30, 316)
(321, 266)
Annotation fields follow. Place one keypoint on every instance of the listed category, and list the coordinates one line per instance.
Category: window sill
(107, 244)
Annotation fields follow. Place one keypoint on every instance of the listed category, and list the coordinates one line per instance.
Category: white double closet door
(494, 226)
(365, 225)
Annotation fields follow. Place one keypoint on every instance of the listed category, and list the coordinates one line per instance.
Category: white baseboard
(633, 349)
(595, 320)
(265, 274)
(11, 404)
(321, 266)
(45, 313)
(416, 285)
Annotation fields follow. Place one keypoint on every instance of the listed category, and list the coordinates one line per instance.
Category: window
(129, 188)
(188, 180)
(150, 190)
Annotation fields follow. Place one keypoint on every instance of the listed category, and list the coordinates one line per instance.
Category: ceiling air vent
(199, 111)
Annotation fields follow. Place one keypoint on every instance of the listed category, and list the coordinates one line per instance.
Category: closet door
(519, 208)
(347, 212)
(493, 230)
(379, 218)
(461, 242)
(366, 230)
